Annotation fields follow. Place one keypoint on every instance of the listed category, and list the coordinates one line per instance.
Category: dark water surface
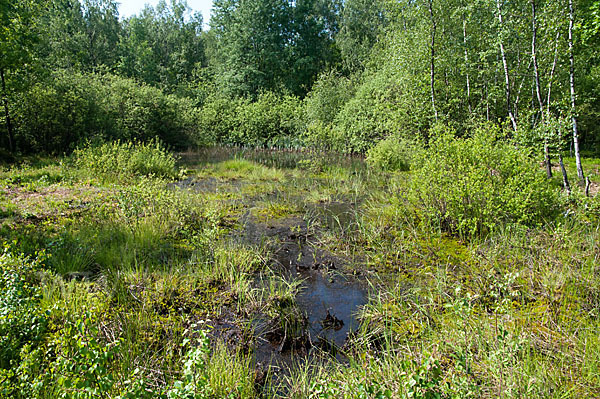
(328, 299)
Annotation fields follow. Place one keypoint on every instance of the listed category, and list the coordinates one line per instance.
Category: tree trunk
(538, 89)
(572, 84)
(11, 136)
(549, 97)
(505, 66)
(548, 100)
(432, 65)
(487, 103)
(564, 174)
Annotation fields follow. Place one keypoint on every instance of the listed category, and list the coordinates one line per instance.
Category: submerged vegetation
(296, 274)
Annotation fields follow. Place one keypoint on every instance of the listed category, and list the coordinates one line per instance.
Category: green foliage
(385, 104)
(22, 320)
(320, 135)
(362, 23)
(82, 367)
(126, 160)
(81, 34)
(57, 114)
(475, 185)
(194, 384)
(140, 112)
(264, 121)
(219, 118)
(271, 45)
(18, 19)
(74, 363)
(417, 380)
(393, 154)
(162, 46)
(333, 390)
(552, 131)
(327, 97)
(268, 121)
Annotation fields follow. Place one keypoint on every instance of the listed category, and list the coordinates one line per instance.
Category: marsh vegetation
(300, 199)
(254, 273)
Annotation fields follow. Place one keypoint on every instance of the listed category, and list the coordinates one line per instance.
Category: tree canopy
(377, 68)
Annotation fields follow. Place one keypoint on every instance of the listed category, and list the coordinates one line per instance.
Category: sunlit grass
(511, 314)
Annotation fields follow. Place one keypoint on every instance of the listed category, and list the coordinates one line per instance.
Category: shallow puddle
(329, 300)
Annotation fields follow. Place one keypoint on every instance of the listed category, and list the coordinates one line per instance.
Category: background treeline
(329, 74)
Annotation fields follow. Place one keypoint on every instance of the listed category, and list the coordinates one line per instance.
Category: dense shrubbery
(393, 153)
(57, 114)
(365, 119)
(118, 159)
(323, 103)
(22, 321)
(218, 117)
(476, 185)
(269, 120)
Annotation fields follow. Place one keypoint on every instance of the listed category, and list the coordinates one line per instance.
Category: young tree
(362, 23)
(572, 91)
(163, 45)
(507, 81)
(538, 89)
(252, 38)
(432, 60)
(17, 36)
(314, 24)
(81, 35)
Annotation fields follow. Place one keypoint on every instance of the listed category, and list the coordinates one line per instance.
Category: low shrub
(271, 120)
(385, 104)
(328, 95)
(22, 320)
(219, 117)
(267, 120)
(474, 185)
(321, 136)
(392, 154)
(119, 159)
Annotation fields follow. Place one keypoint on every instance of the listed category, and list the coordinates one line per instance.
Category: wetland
(254, 273)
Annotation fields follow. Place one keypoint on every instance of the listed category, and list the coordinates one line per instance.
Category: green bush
(55, 114)
(22, 320)
(321, 136)
(141, 112)
(392, 154)
(473, 186)
(327, 97)
(267, 119)
(118, 159)
(66, 109)
(270, 120)
(386, 103)
(219, 118)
